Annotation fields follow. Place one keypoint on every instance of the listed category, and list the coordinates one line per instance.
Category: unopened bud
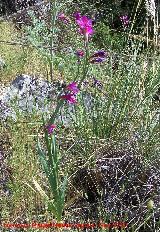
(150, 204)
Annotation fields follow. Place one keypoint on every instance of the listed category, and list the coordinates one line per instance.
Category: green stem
(54, 115)
(77, 71)
(86, 64)
(53, 23)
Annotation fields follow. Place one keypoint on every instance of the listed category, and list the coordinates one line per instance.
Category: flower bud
(150, 204)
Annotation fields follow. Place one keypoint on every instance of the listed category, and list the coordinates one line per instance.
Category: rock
(6, 112)
(28, 95)
(2, 63)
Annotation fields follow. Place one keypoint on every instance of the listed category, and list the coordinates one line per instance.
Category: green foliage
(105, 37)
(50, 161)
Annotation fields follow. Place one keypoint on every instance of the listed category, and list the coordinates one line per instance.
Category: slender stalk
(53, 22)
(86, 63)
(133, 21)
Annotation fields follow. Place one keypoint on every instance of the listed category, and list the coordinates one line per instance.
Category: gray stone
(28, 95)
(2, 63)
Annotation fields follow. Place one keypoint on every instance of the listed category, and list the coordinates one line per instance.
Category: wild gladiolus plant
(50, 156)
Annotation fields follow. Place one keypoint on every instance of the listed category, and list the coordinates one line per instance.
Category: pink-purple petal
(73, 87)
(70, 98)
(50, 128)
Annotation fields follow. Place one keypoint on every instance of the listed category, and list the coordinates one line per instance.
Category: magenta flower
(73, 87)
(79, 53)
(50, 128)
(70, 98)
(77, 15)
(98, 57)
(97, 60)
(85, 26)
(62, 17)
(125, 20)
(97, 83)
(99, 53)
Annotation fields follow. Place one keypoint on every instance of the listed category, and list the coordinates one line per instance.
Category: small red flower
(70, 98)
(62, 17)
(77, 15)
(85, 26)
(97, 60)
(100, 53)
(50, 128)
(79, 53)
(98, 57)
(73, 87)
(125, 20)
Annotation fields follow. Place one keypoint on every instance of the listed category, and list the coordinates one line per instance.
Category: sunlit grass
(18, 58)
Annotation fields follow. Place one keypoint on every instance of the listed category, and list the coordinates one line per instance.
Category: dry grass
(19, 59)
